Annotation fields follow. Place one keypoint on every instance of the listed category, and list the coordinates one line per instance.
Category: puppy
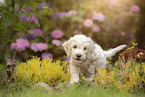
(85, 55)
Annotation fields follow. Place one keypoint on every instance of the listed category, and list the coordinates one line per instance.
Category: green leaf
(40, 36)
(84, 79)
(37, 24)
(30, 31)
(116, 63)
(14, 41)
(33, 6)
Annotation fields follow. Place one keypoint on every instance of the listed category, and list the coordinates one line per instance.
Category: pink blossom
(88, 22)
(34, 19)
(98, 16)
(114, 3)
(21, 44)
(72, 12)
(96, 28)
(135, 8)
(22, 18)
(59, 15)
(56, 34)
(13, 45)
(19, 9)
(42, 46)
(38, 47)
(37, 31)
(56, 42)
(42, 5)
(28, 8)
(34, 47)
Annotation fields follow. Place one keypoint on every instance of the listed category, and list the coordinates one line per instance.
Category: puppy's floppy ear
(66, 46)
(92, 48)
(91, 51)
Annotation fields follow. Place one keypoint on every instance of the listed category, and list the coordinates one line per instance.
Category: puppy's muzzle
(78, 56)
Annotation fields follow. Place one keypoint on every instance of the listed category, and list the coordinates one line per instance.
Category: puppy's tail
(112, 52)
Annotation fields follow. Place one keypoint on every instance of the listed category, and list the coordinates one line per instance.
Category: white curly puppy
(85, 55)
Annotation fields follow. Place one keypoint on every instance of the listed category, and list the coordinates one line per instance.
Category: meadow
(77, 92)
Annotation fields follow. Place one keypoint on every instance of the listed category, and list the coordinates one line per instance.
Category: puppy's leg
(74, 73)
(91, 70)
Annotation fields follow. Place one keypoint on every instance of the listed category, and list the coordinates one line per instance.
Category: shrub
(47, 71)
(129, 76)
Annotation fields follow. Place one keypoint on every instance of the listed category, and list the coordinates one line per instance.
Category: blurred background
(39, 27)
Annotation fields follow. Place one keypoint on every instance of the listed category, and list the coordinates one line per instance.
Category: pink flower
(22, 18)
(19, 9)
(34, 47)
(34, 19)
(88, 22)
(56, 34)
(21, 44)
(72, 12)
(59, 15)
(135, 8)
(42, 6)
(56, 42)
(98, 16)
(37, 31)
(38, 47)
(13, 45)
(114, 3)
(28, 8)
(96, 28)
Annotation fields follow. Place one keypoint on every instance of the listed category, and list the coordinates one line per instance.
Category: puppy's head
(79, 48)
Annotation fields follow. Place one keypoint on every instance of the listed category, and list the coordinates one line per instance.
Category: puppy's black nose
(78, 55)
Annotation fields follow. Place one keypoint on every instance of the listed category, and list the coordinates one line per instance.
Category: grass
(70, 92)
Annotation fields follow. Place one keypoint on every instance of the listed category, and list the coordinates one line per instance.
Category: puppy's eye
(85, 48)
(75, 46)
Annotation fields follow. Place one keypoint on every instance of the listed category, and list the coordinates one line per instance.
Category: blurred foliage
(140, 35)
(11, 25)
(107, 22)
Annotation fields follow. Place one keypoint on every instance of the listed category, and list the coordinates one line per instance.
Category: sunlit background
(44, 25)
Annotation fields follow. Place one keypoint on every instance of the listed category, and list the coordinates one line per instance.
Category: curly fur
(85, 55)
